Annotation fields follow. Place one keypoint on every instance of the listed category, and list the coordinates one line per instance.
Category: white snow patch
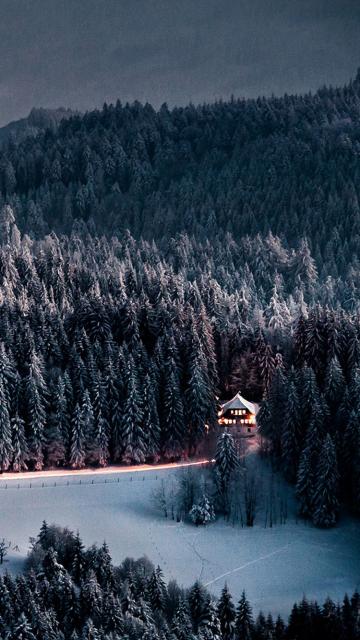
(275, 566)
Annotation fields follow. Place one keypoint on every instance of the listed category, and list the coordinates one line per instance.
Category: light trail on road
(112, 470)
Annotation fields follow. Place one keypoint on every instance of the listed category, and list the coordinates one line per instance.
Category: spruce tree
(173, 427)
(61, 415)
(226, 460)
(157, 590)
(151, 422)
(88, 423)
(198, 601)
(244, 621)
(6, 448)
(100, 452)
(36, 398)
(22, 630)
(226, 613)
(334, 383)
(291, 433)
(19, 444)
(199, 395)
(325, 500)
(181, 625)
(306, 471)
(209, 627)
(77, 452)
(113, 408)
(133, 436)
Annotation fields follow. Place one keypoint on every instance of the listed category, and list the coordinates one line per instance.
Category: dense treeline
(289, 165)
(114, 350)
(69, 593)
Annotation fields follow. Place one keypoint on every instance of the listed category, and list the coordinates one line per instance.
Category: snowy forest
(152, 262)
(71, 593)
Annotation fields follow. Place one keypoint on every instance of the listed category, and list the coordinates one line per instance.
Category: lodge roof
(238, 402)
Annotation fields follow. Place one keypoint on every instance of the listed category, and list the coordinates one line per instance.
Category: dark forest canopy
(287, 165)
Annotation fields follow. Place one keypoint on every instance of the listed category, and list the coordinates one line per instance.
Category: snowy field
(275, 566)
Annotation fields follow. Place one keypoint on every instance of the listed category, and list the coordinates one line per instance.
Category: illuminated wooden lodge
(238, 416)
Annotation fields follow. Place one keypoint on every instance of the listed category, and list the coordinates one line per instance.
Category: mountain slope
(289, 165)
(37, 120)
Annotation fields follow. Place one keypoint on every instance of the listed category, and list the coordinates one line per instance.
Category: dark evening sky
(80, 53)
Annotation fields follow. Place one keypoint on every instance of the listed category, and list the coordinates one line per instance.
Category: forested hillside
(119, 330)
(289, 165)
(37, 121)
(73, 593)
(115, 350)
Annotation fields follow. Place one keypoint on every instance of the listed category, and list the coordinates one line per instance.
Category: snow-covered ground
(275, 566)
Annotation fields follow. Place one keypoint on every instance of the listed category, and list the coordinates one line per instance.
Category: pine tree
(19, 444)
(134, 439)
(200, 398)
(202, 512)
(244, 621)
(88, 422)
(291, 433)
(157, 590)
(77, 453)
(112, 619)
(61, 416)
(78, 563)
(91, 597)
(22, 630)
(326, 504)
(100, 451)
(277, 396)
(307, 469)
(300, 342)
(36, 394)
(55, 444)
(264, 361)
(226, 613)
(6, 448)
(226, 460)
(151, 423)
(113, 409)
(181, 625)
(173, 427)
(334, 383)
(209, 627)
(89, 631)
(198, 601)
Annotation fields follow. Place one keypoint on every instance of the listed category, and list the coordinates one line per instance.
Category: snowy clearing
(275, 566)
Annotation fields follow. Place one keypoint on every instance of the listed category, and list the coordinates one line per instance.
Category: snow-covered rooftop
(238, 402)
